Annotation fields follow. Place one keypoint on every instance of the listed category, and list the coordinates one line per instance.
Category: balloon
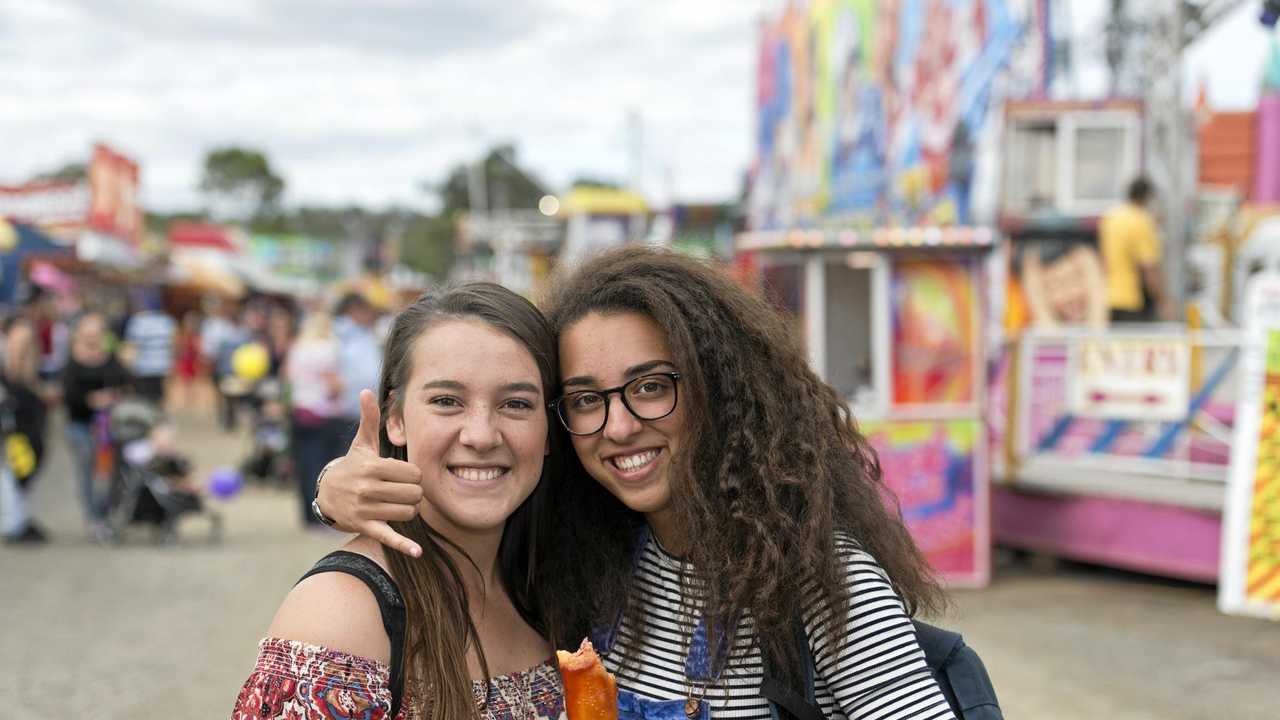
(250, 362)
(20, 455)
(225, 482)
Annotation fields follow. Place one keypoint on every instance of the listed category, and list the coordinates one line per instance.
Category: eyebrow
(631, 372)
(459, 387)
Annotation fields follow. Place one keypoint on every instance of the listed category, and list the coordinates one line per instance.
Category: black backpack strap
(959, 673)
(390, 604)
(787, 702)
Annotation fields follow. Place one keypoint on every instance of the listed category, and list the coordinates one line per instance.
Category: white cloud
(361, 101)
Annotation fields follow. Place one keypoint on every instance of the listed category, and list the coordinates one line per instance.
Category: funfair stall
(893, 321)
(870, 218)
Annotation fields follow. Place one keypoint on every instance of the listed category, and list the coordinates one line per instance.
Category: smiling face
(629, 457)
(472, 417)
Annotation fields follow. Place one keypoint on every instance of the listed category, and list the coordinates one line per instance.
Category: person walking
(360, 356)
(25, 405)
(91, 382)
(315, 391)
(150, 337)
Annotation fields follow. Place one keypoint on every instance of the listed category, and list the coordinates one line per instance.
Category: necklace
(702, 667)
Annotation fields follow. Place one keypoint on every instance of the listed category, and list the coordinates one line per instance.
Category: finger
(392, 492)
(367, 433)
(396, 471)
(391, 512)
(383, 533)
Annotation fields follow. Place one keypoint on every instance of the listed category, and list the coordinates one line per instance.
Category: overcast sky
(360, 101)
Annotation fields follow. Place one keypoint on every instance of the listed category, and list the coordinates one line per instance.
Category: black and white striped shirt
(878, 673)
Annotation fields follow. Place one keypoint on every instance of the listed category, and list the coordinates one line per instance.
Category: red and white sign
(113, 194)
(1130, 379)
(107, 203)
(58, 207)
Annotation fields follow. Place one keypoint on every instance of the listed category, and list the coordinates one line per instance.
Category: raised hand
(362, 492)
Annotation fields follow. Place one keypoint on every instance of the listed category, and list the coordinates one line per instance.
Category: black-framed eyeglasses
(647, 397)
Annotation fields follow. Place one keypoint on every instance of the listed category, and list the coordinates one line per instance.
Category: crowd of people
(310, 361)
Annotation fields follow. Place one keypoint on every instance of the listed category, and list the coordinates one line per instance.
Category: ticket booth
(893, 320)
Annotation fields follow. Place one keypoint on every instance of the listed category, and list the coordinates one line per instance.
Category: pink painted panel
(1267, 184)
(1162, 540)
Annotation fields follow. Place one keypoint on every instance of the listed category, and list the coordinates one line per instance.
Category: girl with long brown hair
(461, 416)
(723, 504)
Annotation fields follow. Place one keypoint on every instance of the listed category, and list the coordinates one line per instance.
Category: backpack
(957, 669)
(390, 604)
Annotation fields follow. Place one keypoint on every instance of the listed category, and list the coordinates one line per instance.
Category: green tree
(70, 172)
(589, 181)
(240, 183)
(507, 185)
(427, 245)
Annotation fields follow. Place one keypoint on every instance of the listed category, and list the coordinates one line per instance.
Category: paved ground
(144, 632)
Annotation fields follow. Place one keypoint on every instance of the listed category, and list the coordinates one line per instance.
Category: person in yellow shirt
(1130, 248)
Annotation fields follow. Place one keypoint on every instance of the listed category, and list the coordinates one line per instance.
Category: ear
(395, 429)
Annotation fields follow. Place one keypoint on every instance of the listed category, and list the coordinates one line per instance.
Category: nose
(479, 432)
(621, 424)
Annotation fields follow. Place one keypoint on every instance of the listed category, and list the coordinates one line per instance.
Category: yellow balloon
(250, 362)
(21, 456)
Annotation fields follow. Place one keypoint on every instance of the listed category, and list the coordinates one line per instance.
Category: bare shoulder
(337, 611)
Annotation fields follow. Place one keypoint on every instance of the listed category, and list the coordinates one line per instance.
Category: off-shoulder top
(292, 680)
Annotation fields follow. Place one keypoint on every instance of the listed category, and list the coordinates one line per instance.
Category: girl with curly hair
(723, 504)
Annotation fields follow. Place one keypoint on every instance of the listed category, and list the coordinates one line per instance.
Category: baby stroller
(269, 461)
(148, 485)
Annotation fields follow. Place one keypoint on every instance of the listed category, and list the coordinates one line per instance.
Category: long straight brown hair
(438, 628)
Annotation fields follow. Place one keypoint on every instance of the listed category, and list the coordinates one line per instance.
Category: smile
(477, 474)
(635, 461)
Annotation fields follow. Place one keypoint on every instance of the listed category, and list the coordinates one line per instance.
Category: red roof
(193, 234)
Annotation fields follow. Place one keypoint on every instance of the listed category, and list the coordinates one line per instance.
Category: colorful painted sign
(875, 112)
(933, 468)
(1130, 378)
(1250, 569)
(934, 349)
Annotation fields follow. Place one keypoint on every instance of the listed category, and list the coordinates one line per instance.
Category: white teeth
(631, 462)
(477, 474)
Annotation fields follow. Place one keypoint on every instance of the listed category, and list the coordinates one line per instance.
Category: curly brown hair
(774, 466)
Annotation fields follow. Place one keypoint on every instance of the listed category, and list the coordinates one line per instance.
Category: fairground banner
(877, 113)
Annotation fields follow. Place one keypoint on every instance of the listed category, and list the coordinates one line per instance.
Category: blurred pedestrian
(189, 368)
(279, 336)
(25, 423)
(149, 336)
(219, 336)
(91, 382)
(53, 316)
(360, 356)
(1130, 245)
(315, 389)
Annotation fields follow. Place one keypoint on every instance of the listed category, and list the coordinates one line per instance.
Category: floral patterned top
(297, 681)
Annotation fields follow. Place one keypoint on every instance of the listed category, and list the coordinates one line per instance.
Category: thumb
(367, 433)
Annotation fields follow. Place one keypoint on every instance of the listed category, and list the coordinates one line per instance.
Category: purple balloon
(225, 482)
